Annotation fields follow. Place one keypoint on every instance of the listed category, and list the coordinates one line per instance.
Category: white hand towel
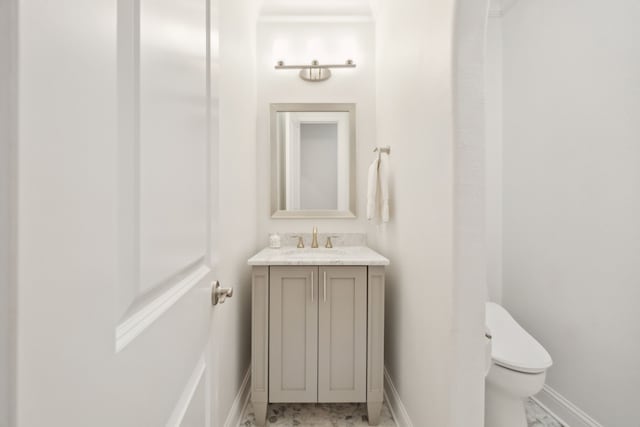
(372, 188)
(383, 182)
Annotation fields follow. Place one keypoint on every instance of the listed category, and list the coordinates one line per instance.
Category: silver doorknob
(220, 294)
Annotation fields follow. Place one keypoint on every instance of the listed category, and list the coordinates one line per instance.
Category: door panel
(293, 323)
(196, 413)
(114, 174)
(172, 154)
(342, 339)
(191, 409)
(163, 131)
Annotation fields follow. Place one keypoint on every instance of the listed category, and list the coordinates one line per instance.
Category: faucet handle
(300, 241)
(329, 244)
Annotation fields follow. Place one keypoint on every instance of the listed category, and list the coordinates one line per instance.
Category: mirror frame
(277, 164)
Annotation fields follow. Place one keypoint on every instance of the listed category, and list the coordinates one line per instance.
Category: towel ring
(386, 149)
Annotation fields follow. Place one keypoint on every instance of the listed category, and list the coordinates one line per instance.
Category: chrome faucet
(314, 242)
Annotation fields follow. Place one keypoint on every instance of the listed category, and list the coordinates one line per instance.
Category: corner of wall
(493, 155)
(8, 155)
(396, 406)
(469, 292)
(237, 188)
(431, 264)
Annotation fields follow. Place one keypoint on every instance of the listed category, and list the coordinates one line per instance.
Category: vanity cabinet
(342, 334)
(318, 332)
(293, 334)
(317, 335)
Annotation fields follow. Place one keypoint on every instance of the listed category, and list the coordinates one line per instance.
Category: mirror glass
(313, 153)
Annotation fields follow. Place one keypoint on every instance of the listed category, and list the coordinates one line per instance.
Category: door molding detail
(241, 401)
(175, 420)
(140, 319)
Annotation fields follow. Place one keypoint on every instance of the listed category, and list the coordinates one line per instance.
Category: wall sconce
(314, 72)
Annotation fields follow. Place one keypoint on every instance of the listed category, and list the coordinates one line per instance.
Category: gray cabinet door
(342, 339)
(293, 334)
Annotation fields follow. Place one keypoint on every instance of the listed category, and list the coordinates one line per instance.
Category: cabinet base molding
(373, 412)
(260, 411)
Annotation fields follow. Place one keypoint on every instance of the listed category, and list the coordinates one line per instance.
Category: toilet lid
(512, 346)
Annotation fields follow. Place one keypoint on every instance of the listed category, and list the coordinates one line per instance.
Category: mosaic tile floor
(538, 417)
(318, 415)
(355, 415)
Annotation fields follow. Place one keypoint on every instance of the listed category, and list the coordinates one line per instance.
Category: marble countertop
(339, 255)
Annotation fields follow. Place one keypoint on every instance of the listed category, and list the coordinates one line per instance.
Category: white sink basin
(342, 255)
(312, 252)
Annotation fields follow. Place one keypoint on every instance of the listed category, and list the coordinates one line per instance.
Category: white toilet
(518, 369)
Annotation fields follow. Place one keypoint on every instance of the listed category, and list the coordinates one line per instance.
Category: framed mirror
(313, 160)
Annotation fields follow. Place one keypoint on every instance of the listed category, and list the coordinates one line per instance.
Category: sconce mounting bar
(314, 72)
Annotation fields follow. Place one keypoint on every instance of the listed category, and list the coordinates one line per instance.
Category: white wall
(236, 215)
(7, 118)
(572, 195)
(493, 155)
(466, 404)
(424, 328)
(293, 42)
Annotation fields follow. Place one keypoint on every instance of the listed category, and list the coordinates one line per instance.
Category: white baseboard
(391, 396)
(563, 410)
(240, 402)
(568, 414)
(398, 411)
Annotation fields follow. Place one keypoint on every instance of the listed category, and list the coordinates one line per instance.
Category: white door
(115, 178)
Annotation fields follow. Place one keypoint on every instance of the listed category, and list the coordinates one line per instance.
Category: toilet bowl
(518, 369)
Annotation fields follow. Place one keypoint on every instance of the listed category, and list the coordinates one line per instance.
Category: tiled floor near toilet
(538, 417)
(355, 414)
